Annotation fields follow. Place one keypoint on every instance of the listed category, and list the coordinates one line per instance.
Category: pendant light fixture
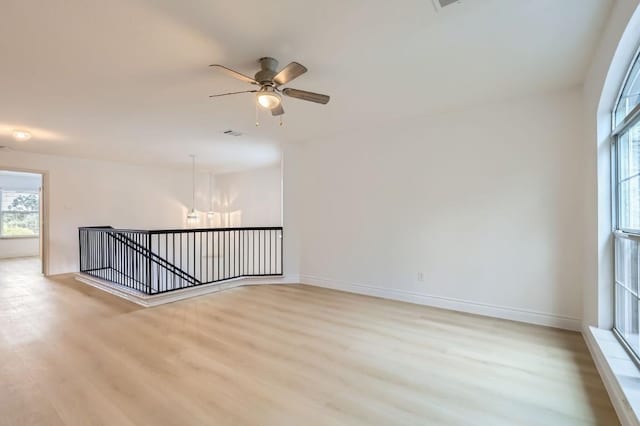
(192, 214)
(210, 213)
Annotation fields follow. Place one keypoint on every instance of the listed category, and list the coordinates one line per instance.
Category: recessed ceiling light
(21, 135)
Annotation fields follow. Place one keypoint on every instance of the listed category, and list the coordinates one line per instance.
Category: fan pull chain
(281, 121)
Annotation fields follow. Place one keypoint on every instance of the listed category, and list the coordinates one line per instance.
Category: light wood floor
(278, 355)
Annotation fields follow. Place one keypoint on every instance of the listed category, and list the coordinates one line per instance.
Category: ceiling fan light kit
(269, 80)
(268, 98)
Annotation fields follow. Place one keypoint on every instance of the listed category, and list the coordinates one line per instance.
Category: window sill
(619, 373)
(20, 237)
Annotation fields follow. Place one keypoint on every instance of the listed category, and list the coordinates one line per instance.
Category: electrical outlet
(421, 276)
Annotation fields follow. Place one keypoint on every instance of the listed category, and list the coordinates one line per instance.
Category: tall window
(19, 213)
(626, 154)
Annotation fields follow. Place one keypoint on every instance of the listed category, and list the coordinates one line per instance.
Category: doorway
(23, 213)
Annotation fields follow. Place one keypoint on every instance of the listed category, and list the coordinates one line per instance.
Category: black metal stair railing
(159, 261)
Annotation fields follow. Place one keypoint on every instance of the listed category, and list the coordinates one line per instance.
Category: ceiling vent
(232, 132)
(441, 4)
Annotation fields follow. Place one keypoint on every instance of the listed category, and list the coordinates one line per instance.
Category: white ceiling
(127, 80)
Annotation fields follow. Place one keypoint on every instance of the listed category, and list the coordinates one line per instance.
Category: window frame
(36, 212)
(615, 176)
(617, 130)
(635, 112)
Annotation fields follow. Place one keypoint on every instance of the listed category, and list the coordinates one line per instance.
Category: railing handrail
(180, 230)
(162, 260)
(155, 258)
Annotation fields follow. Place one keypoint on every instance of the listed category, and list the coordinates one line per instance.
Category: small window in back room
(19, 213)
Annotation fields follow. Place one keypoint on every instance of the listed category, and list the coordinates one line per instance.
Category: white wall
(486, 203)
(19, 247)
(248, 198)
(24, 246)
(89, 192)
(619, 41)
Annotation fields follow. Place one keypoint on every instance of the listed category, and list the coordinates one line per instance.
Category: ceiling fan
(268, 79)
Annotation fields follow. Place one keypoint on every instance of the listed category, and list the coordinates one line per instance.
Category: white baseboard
(288, 279)
(608, 354)
(16, 256)
(514, 314)
(173, 296)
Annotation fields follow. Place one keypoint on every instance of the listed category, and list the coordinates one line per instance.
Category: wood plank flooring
(278, 355)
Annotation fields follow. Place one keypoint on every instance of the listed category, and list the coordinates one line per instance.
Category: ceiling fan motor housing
(268, 70)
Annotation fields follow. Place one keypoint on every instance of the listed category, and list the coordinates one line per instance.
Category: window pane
(627, 265)
(18, 224)
(630, 94)
(627, 320)
(19, 201)
(19, 213)
(629, 205)
(629, 153)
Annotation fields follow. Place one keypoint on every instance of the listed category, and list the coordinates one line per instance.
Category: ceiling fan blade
(235, 74)
(288, 73)
(307, 96)
(277, 110)
(232, 93)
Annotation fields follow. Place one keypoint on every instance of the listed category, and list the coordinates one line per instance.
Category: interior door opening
(23, 218)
